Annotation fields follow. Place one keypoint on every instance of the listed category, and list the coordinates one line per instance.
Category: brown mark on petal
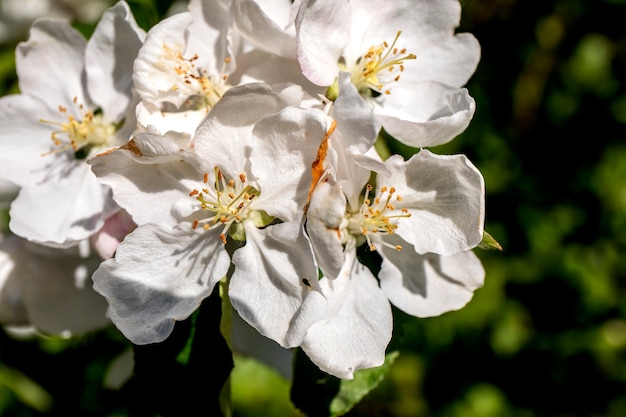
(132, 147)
(317, 167)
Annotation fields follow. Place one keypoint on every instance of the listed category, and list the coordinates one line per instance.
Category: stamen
(79, 135)
(223, 205)
(377, 218)
(379, 66)
(203, 89)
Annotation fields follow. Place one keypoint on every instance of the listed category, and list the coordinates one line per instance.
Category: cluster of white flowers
(235, 142)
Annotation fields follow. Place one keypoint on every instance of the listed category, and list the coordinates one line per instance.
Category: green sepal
(489, 243)
(332, 92)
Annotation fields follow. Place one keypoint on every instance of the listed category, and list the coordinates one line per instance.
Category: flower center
(380, 66)
(376, 217)
(227, 203)
(82, 135)
(203, 89)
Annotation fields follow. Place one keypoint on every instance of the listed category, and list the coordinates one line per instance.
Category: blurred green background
(546, 335)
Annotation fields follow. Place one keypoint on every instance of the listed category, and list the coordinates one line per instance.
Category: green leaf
(317, 393)
(351, 392)
(25, 389)
(489, 243)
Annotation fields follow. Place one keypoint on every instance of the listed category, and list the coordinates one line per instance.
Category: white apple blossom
(190, 59)
(428, 206)
(238, 194)
(435, 205)
(402, 56)
(186, 59)
(76, 97)
(423, 219)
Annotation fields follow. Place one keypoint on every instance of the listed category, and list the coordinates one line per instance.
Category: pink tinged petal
(426, 114)
(285, 146)
(159, 276)
(61, 211)
(267, 25)
(429, 285)
(445, 196)
(114, 230)
(274, 287)
(358, 326)
(322, 33)
(55, 293)
(51, 63)
(109, 58)
(147, 186)
(324, 216)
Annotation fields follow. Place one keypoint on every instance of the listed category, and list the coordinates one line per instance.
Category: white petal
(429, 285)
(61, 211)
(260, 66)
(109, 58)
(266, 25)
(446, 199)
(25, 139)
(223, 139)
(147, 186)
(322, 29)
(54, 288)
(426, 114)
(358, 327)
(210, 35)
(154, 71)
(154, 119)
(274, 286)
(356, 124)
(324, 218)
(285, 146)
(451, 62)
(50, 64)
(422, 23)
(159, 276)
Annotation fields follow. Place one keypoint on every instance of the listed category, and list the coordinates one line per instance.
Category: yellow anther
(224, 204)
